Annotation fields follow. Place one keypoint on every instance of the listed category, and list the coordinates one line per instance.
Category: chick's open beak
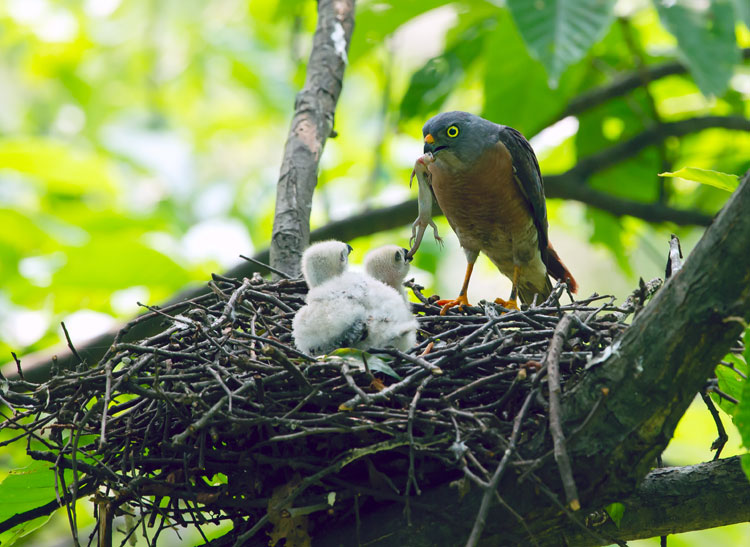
(407, 258)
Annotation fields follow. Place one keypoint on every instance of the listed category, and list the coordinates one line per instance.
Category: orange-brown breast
(485, 206)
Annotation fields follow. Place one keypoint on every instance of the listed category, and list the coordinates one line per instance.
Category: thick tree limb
(672, 500)
(669, 500)
(311, 126)
(663, 359)
(650, 377)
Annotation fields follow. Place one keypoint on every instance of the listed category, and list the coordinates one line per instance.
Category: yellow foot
(461, 301)
(509, 304)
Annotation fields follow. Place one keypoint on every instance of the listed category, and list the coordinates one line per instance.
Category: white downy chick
(335, 315)
(323, 261)
(390, 265)
(397, 325)
(348, 309)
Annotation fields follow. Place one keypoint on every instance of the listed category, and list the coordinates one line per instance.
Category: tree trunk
(312, 124)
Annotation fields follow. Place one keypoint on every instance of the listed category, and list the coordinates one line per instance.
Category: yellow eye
(452, 131)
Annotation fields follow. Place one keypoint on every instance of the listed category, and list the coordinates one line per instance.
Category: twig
(70, 343)
(722, 439)
(555, 412)
(290, 367)
(229, 307)
(267, 266)
(18, 365)
(476, 532)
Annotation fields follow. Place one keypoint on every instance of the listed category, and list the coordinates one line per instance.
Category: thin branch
(650, 137)
(479, 523)
(722, 438)
(555, 413)
(622, 85)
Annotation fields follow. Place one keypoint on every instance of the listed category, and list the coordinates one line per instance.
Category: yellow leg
(461, 300)
(511, 304)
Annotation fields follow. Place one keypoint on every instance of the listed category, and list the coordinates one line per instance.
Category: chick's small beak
(407, 258)
(429, 143)
(349, 247)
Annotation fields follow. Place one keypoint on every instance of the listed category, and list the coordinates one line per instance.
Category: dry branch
(555, 411)
(199, 399)
(312, 124)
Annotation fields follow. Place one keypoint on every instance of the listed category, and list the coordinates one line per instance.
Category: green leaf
(506, 56)
(742, 416)
(23, 490)
(615, 511)
(724, 181)
(377, 20)
(9, 537)
(560, 32)
(742, 11)
(356, 358)
(431, 84)
(730, 383)
(377, 364)
(58, 167)
(706, 36)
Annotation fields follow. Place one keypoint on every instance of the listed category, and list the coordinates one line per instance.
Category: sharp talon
(509, 304)
(461, 301)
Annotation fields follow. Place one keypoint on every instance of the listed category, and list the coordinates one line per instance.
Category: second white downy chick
(389, 264)
(334, 316)
(348, 309)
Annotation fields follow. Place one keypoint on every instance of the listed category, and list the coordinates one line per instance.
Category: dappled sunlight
(142, 144)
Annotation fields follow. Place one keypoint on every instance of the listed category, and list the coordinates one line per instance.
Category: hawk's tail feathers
(557, 269)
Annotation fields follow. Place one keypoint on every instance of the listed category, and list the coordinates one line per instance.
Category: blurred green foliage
(140, 140)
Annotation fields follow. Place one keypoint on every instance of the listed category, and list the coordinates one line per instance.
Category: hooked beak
(407, 257)
(349, 247)
(429, 143)
(431, 146)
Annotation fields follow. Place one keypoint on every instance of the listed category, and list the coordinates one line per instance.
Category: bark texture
(312, 124)
(669, 500)
(623, 413)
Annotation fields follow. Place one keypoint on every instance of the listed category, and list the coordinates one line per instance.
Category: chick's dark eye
(398, 256)
(452, 131)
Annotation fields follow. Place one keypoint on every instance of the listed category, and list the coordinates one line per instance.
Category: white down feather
(348, 309)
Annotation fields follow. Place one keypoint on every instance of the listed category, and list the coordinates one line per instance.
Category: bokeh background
(141, 140)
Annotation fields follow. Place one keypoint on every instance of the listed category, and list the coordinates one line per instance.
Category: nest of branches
(219, 418)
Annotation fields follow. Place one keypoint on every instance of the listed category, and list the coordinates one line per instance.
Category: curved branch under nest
(219, 418)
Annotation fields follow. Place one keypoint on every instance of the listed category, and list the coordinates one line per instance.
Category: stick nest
(219, 418)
